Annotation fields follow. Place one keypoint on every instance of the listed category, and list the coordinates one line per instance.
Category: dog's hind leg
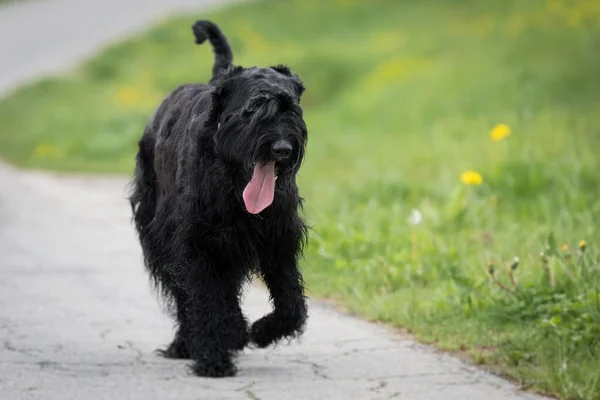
(143, 201)
(288, 318)
(176, 298)
(177, 349)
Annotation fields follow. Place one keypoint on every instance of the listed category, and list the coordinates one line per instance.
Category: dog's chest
(241, 238)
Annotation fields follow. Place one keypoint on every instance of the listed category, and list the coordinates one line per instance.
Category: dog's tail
(223, 56)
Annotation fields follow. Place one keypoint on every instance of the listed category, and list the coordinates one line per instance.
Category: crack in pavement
(139, 354)
(72, 365)
(246, 387)
(251, 395)
(414, 375)
(52, 364)
(382, 384)
(26, 352)
(330, 356)
(316, 368)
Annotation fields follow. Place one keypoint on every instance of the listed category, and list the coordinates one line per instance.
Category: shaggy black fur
(200, 243)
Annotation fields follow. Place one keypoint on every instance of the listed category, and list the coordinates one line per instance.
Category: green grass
(2, 2)
(401, 98)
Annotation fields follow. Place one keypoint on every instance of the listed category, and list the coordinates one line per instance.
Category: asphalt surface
(77, 317)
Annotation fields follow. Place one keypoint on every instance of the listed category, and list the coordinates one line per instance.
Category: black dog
(215, 201)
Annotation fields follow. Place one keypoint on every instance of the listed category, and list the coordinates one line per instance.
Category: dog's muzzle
(281, 150)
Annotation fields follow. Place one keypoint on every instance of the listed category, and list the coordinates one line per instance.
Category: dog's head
(260, 129)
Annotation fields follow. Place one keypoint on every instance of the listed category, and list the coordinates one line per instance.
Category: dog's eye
(249, 111)
(255, 105)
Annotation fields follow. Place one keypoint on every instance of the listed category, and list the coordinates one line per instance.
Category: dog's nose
(281, 149)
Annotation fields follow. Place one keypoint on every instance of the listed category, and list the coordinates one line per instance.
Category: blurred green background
(446, 138)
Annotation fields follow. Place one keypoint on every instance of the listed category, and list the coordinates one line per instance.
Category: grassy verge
(3, 2)
(402, 99)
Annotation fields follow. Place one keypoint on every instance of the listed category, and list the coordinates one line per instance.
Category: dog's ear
(223, 87)
(219, 102)
(299, 87)
(285, 70)
(282, 69)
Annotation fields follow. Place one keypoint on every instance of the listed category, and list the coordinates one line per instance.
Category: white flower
(415, 217)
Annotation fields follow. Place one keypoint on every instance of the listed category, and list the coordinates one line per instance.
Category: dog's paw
(273, 327)
(211, 369)
(262, 333)
(176, 350)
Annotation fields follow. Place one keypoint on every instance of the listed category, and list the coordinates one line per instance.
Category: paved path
(48, 36)
(77, 318)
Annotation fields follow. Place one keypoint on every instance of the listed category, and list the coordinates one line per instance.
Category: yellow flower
(394, 70)
(565, 247)
(582, 245)
(500, 132)
(44, 150)
(471, 178)
(128, 96)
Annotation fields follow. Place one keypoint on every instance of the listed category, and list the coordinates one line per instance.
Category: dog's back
(166, 129)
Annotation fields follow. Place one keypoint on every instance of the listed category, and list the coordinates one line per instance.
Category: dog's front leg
(285, 285)
(212, 330)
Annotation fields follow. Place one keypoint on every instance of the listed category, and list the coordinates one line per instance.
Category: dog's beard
(260, 191)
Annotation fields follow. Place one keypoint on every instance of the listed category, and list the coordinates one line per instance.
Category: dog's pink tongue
(259, 193)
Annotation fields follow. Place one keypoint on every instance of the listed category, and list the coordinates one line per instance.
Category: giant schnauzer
(215, 202)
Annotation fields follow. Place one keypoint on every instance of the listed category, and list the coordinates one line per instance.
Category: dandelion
(499, 132)
(511, 273)
(128, 96)
(44, 150)
(564, 248)
(394, 70)
(581, 257)
(515, 263)
(415, 217)
(471, 178)
(491, 268)
(548, 268)
(492, 272)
